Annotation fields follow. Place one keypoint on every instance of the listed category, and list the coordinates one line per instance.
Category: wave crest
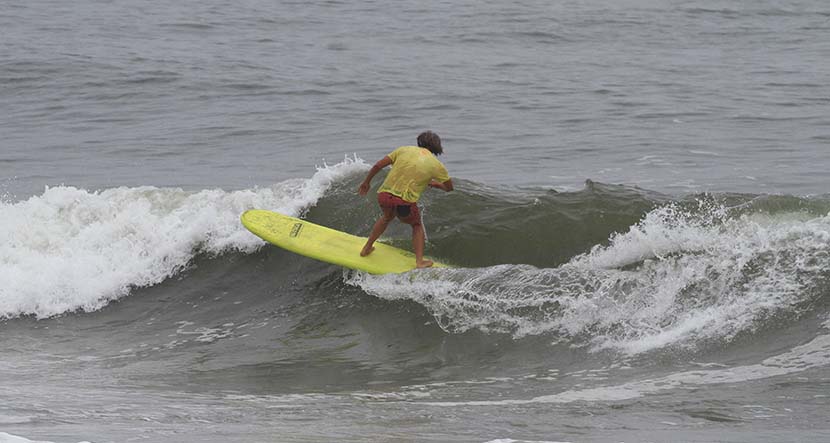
(69, 249)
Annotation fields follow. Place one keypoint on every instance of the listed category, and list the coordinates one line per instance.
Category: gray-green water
(640, 227)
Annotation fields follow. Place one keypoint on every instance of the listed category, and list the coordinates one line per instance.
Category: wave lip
(71, 249)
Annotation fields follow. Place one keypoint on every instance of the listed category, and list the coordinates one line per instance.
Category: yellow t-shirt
(412, 170)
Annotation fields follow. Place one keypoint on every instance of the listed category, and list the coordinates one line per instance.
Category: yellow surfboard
(326, 244)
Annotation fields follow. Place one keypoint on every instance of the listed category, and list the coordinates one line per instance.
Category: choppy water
(640, 228)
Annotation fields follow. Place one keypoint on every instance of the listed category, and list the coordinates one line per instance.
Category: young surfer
(413, 169)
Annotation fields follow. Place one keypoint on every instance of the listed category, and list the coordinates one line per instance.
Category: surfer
(413, 169)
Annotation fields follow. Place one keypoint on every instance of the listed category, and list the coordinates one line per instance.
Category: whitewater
(639, 230)
(639, 315)
(70, 249)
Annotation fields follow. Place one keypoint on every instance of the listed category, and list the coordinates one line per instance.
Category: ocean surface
(640, 230)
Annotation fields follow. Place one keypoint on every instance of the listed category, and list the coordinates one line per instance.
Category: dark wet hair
(431, 141)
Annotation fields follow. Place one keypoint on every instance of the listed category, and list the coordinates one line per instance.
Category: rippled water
(672, 96)
(680, 293)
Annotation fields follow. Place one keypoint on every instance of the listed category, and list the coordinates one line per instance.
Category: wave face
(71, 249)
(703, 270)
(609, 295)
(606, 268)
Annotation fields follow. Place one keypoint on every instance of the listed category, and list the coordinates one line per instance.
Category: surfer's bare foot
(424, 264)
(366, 250)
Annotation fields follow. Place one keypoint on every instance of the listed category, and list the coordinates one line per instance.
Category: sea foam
(71, 249)
(9, 438)
(678, 278)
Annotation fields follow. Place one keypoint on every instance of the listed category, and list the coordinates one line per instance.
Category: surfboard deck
(326, 244)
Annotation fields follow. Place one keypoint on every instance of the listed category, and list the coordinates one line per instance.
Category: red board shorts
(406, 212)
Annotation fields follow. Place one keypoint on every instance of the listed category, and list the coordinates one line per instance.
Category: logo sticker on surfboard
(295, 231)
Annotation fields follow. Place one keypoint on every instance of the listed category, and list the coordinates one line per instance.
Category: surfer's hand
(446, 186)
(363, 189)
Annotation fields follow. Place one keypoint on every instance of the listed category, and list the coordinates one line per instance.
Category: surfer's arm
(382, 163)
(446, 186)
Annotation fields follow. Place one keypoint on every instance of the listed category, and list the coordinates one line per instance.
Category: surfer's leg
(377, 231)
(418, 245)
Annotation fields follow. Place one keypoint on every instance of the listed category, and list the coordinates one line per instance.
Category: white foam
(70, 249)
(9, 438)
(674, 279)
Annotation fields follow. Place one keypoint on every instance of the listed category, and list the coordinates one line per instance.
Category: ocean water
(640, 230)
